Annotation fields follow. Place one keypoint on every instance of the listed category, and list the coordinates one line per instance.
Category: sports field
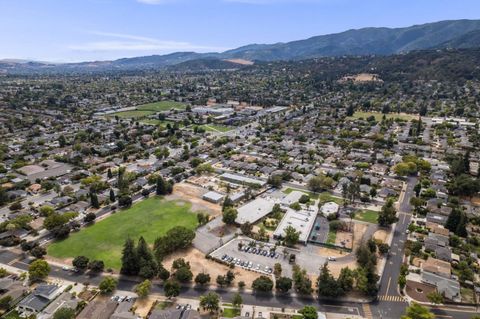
(104, 240)
(161, 106)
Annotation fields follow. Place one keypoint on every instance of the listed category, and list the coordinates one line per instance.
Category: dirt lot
(199, 264)
(358, 230)
(143, 306)
(381, 235)
(344, 239)
(193, 194)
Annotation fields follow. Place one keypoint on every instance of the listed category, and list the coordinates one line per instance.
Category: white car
(332, 259)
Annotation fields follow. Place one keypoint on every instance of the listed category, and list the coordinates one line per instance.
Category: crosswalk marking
(391, 298)
(367, 311)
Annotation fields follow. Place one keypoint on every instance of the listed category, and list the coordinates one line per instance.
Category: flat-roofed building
(242, 180)
(254, 210)
(213, 197)
(301, 220)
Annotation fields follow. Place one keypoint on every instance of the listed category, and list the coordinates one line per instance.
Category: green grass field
(378, 116)
(216, 128)
(132, 114)
(231, 312)
(104, 240)
(332, 235)
(369, 216)
(161, 106)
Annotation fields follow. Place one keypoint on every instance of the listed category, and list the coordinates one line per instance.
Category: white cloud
(128, 42)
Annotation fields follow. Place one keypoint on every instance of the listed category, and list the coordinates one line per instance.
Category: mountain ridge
(353, 42)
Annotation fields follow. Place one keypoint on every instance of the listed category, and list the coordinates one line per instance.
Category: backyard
(104, 240)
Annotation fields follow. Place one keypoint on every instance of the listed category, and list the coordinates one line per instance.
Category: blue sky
(81, 30)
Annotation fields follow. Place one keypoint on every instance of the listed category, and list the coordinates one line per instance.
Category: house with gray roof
(39, 299)
(447, 287)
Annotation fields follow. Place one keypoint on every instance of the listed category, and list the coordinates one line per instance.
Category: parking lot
(251, 255)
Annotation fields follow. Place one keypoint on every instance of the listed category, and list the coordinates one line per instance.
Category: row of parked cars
(259, 251)
(122, 298)
(246, 264)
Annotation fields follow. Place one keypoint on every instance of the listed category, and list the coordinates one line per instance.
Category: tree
(94, 200)
(320, 183)
(327, 285)
(80, 262)
(64, 313)
(457, 222)
(202, 278)
(38, 270)
(309, 312)
(38, 252)
(210, 301)
(183, 274)
(277, 270)
(301, 281)
(346, 279)
(229, 215)
(262, 284)
(275, 180)
(146, 262)
(435, 297)
(5, 302)
(112, 196)
(143, 288)
(108, 285)
(162, 187)
(291, 236)
(171, 288)
(176, 238)
(163, 273)
(130, 264)
(237, 300)
(284, 284)
(124, 200)
(46, 211)
(89, 218)
(246, 229)
(416, 311)
(96, 265)
(55, 220)
(388, 214)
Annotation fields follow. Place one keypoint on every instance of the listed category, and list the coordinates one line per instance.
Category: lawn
(378, 116)
(311, 194)
(369, 216)
(332, 235)
(216, 128)
(136, 114)
(104, 240)
(162, 106)
(231, 312)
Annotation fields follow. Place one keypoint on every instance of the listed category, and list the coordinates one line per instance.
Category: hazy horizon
(96, 30)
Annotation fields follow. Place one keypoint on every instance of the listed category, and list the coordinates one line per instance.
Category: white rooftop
(330, 208)
(301, 220)
(254, 210)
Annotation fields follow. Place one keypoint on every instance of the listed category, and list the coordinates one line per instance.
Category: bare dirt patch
(358, 231)
(143, 306)
(344, 239)
(381, 235)
(193, 194)
(199, 263)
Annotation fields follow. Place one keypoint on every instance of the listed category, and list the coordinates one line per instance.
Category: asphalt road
(388, 305)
